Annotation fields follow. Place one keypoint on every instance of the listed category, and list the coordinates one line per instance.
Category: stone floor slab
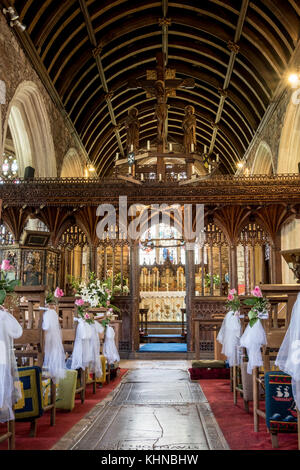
(151, 428)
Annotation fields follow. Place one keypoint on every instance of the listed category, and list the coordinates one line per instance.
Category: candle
(192, 148)
(171, 147)
(129, 170)
(131, 148)
(117, 156)
(148, 144)
(142, 176)
(209, 168)
(205, 148)
(160, 177)
(217, 160)
(193, 169)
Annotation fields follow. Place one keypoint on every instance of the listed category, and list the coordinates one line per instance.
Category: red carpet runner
(48, 435)
(236, 424)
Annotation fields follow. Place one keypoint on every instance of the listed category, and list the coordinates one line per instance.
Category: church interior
(149, 225)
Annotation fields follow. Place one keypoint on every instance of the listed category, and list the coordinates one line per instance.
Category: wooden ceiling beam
(96, 53)
(234, 50)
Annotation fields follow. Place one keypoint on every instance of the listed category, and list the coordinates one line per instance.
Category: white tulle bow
(229, 337)
(253, 339)
(110, 350)
(54, 357)
(10, 391)
(86, 351)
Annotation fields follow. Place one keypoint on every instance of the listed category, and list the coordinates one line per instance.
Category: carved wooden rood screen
(244, 217)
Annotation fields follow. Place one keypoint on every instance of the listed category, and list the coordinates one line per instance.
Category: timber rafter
(195, 37)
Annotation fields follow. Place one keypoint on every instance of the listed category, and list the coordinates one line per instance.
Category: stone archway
(263, 162)
(30, 129)
(72, 165)
(289, 147)
(288, 158)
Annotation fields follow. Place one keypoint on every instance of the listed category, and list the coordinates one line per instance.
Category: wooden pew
(31, 344)
(282, 299)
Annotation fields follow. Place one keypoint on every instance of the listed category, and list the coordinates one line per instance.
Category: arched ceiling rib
(128, 32)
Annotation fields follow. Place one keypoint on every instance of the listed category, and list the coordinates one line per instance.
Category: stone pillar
(190, 292)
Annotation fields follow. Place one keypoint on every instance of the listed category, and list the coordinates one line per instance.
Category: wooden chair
(30, 345)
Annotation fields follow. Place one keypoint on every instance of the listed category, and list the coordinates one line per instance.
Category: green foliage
(7, 287)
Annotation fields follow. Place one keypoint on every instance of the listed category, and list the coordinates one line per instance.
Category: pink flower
(108, 302)
(6, 266)
(256, 292)
(58, 293)
(232, 291)
(230, 297)
(86, 316)
(79, 302)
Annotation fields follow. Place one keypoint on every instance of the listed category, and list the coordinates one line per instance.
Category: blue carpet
(163, 347)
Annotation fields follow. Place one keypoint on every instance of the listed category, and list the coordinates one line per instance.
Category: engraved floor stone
(159, 393)
(143, 375)
(152, 409)
(135, 427)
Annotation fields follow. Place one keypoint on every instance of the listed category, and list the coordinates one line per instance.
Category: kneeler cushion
(211, 363)
(31, 378)
(65, 394)
(281, 413)
(197, 373)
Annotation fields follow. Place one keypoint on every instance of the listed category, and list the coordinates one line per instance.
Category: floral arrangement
(259, 306)
(6, 285)
(233, 302)
(53, 297)
(94, 293)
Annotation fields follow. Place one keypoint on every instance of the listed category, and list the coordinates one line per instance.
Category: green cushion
(209, 363)
(65, 394)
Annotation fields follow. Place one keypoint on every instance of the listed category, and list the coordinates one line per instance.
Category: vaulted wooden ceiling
(92, 48)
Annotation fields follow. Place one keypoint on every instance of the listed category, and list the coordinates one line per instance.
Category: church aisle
(154, 408)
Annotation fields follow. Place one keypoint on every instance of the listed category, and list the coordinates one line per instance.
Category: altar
(163, 305)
